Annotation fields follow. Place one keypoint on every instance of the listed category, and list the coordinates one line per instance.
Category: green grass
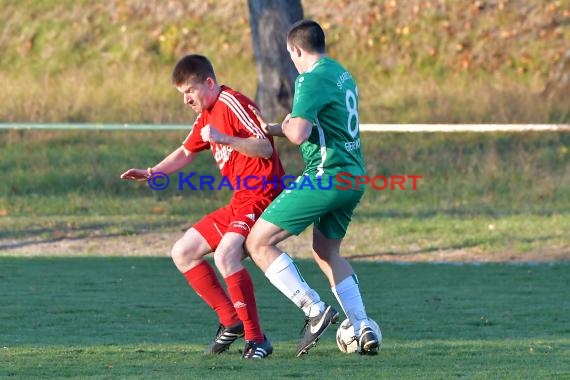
(462, 173)
(137, 318)
(432, 238)
(500, 192)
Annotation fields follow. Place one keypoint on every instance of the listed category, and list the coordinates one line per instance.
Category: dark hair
(192, 67)
(308, 35)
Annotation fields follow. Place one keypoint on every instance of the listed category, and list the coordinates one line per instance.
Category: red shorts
(238, 218)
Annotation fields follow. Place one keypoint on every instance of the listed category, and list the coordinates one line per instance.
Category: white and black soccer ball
(346, 338)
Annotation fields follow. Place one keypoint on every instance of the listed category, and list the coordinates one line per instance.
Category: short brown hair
(308, 35)
(192, 67)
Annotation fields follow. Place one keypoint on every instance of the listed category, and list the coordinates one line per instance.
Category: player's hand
(210, 134)
(137, 174)
(262, 123)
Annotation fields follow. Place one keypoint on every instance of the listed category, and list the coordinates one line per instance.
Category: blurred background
(417, 61)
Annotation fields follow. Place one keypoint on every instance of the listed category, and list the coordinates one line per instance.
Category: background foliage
(416, 61)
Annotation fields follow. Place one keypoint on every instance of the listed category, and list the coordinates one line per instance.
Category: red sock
(240, 288)
(205, 283)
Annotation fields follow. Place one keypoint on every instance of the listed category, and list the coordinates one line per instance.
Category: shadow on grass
(456, 212)
(62, 231)
(21, 244)
(457, 246)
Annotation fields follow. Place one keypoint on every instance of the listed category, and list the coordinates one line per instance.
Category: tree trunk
(270, 20)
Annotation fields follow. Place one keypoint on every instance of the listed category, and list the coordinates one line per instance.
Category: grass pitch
(136, 317)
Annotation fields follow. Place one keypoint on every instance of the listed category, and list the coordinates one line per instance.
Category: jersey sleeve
(309, 98)
(240, 117)
(193, 141)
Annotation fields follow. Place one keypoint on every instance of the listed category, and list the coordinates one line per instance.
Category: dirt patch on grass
(159, 244)
(474, 255)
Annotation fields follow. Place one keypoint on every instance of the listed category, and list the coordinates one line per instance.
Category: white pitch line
(363, 127)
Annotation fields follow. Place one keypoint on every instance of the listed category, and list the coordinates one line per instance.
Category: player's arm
(269, 128)
(250, 146)
(176, 160)
(307, 103)
(297, 130)
(274, 130)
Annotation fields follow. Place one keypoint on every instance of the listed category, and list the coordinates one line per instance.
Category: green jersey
(327, 96)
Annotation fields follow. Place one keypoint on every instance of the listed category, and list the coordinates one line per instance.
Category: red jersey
(231, 115)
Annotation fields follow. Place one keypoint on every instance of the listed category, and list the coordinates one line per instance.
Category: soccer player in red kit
(227, 126)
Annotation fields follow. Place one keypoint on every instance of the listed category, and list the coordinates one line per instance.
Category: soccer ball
(346, 338)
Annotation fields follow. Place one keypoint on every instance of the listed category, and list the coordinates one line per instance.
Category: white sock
(348, 296)
(285, 276)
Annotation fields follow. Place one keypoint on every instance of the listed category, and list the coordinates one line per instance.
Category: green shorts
(330, 210)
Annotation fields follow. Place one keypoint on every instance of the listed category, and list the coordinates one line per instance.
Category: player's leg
(326, 253)
(188, 255)
(228, 257)
(282, 272)
(189, 251)
(290, 213)
(327, 239)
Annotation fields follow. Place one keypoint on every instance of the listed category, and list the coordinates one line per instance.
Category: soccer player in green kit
(324, 123)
